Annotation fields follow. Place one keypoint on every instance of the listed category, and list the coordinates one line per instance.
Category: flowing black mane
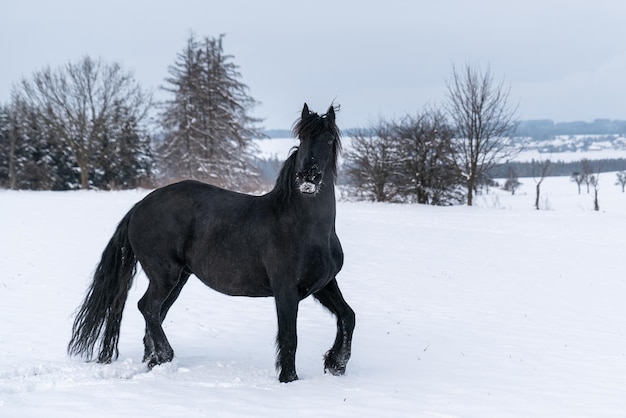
(314, 125)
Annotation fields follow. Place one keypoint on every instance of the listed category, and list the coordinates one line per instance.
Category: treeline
(558, 168)
(90, 124)
(408, 160)
(440, 156)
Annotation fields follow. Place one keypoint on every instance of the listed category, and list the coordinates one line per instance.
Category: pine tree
(39, 160)
(124, 159)
(208, 129)
(5, 145)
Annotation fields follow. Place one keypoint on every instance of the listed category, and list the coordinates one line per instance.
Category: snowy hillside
(492, 311)
(569, 148)
(565, 149)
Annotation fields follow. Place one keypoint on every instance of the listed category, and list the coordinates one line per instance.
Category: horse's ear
(305, 111)
(330, 114)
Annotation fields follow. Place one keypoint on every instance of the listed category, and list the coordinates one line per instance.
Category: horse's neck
(322, 207)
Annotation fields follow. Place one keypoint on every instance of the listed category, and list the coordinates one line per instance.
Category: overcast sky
(564, 60)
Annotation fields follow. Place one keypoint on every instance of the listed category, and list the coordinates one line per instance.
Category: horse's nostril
(311, 175)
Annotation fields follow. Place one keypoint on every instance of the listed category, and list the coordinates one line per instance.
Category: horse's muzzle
(308, 188)
(309, 181)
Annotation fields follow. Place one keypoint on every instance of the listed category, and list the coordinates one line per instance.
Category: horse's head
(317, 154)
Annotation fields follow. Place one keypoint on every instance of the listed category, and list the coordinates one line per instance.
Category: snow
(275, 147)
(497, 310)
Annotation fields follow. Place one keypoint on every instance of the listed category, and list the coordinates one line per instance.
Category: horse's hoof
(287, 377)
(154, 359)
(151, 361)
(335, 371)
(334, 366)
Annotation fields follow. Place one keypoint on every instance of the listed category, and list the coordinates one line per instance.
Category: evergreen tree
(36, 159)
(208, 129)
(5, 145)
(125, 158)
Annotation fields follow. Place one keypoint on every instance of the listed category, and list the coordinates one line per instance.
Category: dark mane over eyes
(314, 125)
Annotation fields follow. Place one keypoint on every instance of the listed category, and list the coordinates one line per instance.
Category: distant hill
(277, 133)
(543, 129)
(537, 129)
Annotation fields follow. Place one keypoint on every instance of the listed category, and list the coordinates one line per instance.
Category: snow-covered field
(492, 311)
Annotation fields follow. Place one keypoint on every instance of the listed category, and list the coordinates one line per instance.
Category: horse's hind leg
(337, 357)
(164, 287)
(184, 276)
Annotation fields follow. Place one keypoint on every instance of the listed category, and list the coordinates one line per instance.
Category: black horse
(282, 244)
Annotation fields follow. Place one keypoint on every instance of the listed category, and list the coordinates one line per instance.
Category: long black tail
(100, 315)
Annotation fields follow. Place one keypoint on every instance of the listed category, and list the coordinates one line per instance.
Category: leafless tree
(578, 178)
(594, 180)
(621, 179)
(587, 172)
(484, 121)
(79, 102)
(371, 163)
(541, 169)
(512, 182)
(409, 160)
(427, 171)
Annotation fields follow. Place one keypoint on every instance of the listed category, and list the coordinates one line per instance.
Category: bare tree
(371, 163)
(541, 169)
(587, 172)
(578, 178)
(512, 182)
(594, 180)
(621, 179)
(78, 104)
(427, 173)
(484, 121)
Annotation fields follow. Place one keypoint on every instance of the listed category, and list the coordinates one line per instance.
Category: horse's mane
(309, 125)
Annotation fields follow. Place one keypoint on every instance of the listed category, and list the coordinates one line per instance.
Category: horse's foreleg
(287, 338)
(337, 357)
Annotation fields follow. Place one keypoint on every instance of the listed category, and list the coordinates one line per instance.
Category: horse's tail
(100, 315)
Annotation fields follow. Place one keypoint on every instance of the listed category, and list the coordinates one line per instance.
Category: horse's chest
(316, 267)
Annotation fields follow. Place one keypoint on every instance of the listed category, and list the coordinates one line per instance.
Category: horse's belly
(237, 280)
